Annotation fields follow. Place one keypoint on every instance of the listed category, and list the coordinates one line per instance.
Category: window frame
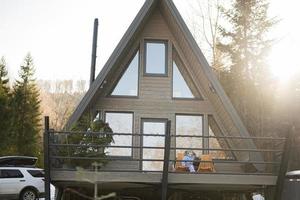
(132, 136)
(211, 116)
(158, 41)
(148, 119)
(172, 88)
(182, 67)
(123, 72)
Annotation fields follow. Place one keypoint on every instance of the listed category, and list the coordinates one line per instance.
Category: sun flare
(283, 61)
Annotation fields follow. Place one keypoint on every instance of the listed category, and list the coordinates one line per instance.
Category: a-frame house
(157, 73)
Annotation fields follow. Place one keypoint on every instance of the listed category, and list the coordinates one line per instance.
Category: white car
(19, 179)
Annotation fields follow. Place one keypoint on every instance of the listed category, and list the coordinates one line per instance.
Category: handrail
(162, 160)
(163, 135)
(172, 148)
(57, 144)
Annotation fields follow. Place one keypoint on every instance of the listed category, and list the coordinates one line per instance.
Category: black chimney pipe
(94, 52)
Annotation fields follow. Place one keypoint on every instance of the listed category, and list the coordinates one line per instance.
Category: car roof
(293, 173)
(18, 161)
(21, 168)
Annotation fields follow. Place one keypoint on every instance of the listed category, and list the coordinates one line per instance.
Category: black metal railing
(66, 155)
(237, 155)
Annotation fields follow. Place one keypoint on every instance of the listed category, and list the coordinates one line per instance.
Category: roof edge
(133, 28)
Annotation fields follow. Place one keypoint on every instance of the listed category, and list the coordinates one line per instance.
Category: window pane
(217, 143)
(36, 173)
(189, 125)
(120, 123)
(155, 58)
(180, 88)
(128, 84)
(157, 128)
(10, 173)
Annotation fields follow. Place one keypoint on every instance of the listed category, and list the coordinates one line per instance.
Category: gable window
(189, 125)
(155, 58)
(120, 122)
(128, 83)
(180, 87)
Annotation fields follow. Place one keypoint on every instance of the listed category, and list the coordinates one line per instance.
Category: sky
(58, 34)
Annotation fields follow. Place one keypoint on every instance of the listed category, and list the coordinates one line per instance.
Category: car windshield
(36, 173)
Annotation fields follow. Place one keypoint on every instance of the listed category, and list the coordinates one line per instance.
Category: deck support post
(46, 158)
(59, 194)
(164, 184)
(284, 164)
(269, 193)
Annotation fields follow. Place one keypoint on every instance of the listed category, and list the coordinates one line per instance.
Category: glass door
(155, 127)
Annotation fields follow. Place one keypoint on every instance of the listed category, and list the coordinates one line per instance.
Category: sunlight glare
(283, 61)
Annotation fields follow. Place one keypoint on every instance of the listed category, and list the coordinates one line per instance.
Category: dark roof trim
(131, 31)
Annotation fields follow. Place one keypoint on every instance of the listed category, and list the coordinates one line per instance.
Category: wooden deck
(231, 181)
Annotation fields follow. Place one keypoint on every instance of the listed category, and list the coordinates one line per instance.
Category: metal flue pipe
(94, 52)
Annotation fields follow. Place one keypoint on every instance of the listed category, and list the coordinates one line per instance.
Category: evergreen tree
(5, 112)
(84, 134)
(26, 113)
(245, 43)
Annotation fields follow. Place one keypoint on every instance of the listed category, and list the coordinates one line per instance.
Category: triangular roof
(168, 9)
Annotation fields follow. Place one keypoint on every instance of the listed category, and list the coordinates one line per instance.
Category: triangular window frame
(136, 55)
(183, 80)
(222, 142)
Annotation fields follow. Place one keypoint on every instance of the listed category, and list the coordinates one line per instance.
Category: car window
(10, 173)
(36, 173)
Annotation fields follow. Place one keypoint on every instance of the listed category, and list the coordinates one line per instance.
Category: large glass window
(120, 123)
(190, 125)
(156, 127)
(156, 57)
(180, 87)
(128, 84)
(217, 143)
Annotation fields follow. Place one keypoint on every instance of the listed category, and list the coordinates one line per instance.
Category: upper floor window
(156, 58)
(128, 83)
(180, 87)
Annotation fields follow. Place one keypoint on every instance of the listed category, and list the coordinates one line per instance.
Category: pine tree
(245, 43)
(5, 112)
(85, 124)
(26, 111)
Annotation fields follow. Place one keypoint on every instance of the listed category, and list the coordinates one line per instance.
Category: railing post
(166, 162)
(284, 164)
(46, 158)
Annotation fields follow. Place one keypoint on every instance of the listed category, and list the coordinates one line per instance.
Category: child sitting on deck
(188, 159)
